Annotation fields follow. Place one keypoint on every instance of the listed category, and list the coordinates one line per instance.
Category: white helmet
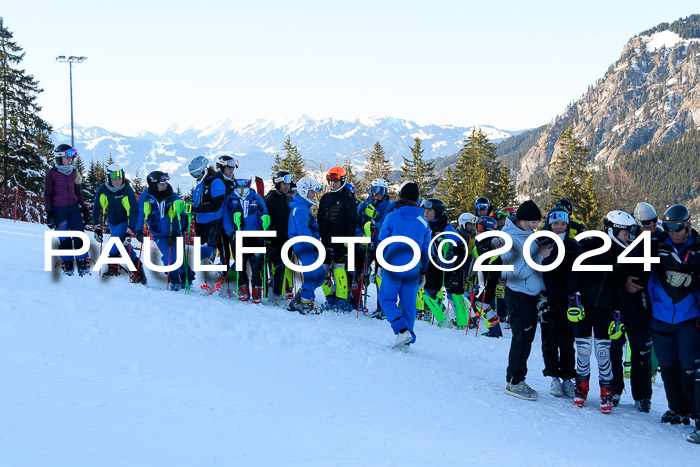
(615, 221)
(305, 185)
(466, 218)
(379, 186)
(198, 166)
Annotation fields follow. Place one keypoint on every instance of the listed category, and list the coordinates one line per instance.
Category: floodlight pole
(71, 59)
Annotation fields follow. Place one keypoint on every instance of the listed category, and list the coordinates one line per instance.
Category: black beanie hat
(528, 211)
(409, 190)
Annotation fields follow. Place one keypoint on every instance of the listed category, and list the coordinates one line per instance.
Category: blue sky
(513, 65)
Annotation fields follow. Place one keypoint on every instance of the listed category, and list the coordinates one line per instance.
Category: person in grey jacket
(523, 286)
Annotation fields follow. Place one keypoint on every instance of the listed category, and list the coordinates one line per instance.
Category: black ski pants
(677, 348)
(523, 322)
(558, 342)
(636, 319)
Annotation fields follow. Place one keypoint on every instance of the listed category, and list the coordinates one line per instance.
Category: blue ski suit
(408, 221)
(303, 223)
(122, 213)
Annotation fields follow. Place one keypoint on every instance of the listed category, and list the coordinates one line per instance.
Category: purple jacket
(61, 190)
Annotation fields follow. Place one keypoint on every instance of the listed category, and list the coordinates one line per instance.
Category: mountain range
(322, 143)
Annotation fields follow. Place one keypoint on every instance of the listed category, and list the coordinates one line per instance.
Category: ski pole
(104, 201)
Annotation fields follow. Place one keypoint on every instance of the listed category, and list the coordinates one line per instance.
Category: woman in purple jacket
(63, 200)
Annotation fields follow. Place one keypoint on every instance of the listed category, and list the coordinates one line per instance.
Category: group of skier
(580, 311)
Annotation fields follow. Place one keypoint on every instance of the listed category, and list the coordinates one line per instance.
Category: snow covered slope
(98, 372)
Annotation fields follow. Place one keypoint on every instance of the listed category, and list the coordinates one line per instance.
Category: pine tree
(359, 184)
(137, 184)
(417, 170)
(276, 166)
(26, 138)
(293, 162)
(572, 180)
(504, 192)
(110, 161)
(377, 165)
(92, 181)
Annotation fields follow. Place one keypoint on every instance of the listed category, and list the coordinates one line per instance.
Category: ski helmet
(486, 224)
(409, 190)
(558, 213)
(464, 219)
(244, 178)
(618, 220)
(337, 174)
(282, 176)
(676, 218)
(64, 150)
(645, 214)
(379, 186)
(351, 188)
(438, 206)
(566, 204)
(482, 203)
(226, 161)
(156, 177)
(305, 185)
(198, 166)
(114, 171)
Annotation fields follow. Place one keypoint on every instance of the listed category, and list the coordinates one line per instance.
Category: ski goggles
(502, 214)
(243, 182)
(116, 174)
(482, 207)
(289, 178)
(378, 190)
(68, 153)
(229, 163)
(163, 178)
(635, 230)
(334, 177)
(675, 226)
(559, 216)
(427, 204)
(649, 222)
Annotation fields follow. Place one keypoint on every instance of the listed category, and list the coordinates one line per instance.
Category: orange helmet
(336, 174)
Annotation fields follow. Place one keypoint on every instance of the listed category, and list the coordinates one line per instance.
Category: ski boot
(175, 286)
(581, 393)
(494, 331)
(330, 303)
(674, 418)
(643, 405)
(474, 322)
(139, 277)
(83, 268)
(257, 295)
(67, 266)
(606, 399)
(568, 388)
(112, 270)
(694, 437)
(342, 305)
(295, 304)
(243, 293)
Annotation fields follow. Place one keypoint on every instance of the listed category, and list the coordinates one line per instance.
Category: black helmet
(64, 150)
(481, 203)
(224, 161)
(438, 206)
(282, 176)
(566, 204)
(676, 218)
(154, 178)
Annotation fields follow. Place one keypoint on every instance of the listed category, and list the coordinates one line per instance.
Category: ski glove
(542, 308)
(172, 239)
(51, 220)
(86, 215)
(421, 283)
(371, 212)
(616, 328)
(265, 218)
(678, 279)
(139, 236)
(501, 290)
(98, 234)
(575, 313)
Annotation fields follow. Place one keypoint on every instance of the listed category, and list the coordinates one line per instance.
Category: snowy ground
(99, 372)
